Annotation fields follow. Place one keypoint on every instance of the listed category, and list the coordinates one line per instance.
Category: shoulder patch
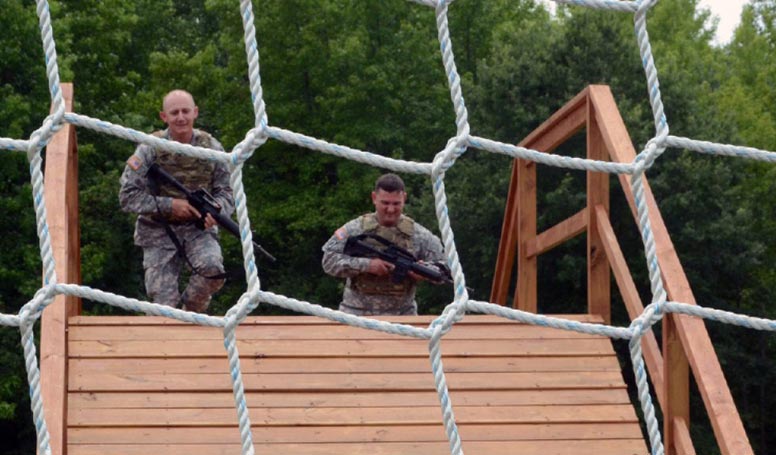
(134, 162)
(341, 233)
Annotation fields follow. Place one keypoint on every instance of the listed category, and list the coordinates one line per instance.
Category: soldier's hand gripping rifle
(375, 246)
(205, 204)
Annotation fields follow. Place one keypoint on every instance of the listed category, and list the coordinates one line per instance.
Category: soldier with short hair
(165, 217)
(369, 289)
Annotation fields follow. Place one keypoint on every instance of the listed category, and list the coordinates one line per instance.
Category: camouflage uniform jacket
(135, 195)
(422, 243)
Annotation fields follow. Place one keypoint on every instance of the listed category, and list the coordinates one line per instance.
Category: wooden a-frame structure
(136, 385)
(685, 345)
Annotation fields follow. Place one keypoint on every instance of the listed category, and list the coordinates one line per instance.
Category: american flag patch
(134, 162)
(341, 233)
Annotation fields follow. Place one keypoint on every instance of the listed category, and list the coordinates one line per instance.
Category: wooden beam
(721, 408)
(549, 135)
(599, 294)
(630, 296)
(527, 266)
(554, 236)
(507, 247)
(61, 198)
(676, 383)
(682, 440)
(563, 124)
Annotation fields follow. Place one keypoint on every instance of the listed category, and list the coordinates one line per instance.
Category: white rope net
(444, 160)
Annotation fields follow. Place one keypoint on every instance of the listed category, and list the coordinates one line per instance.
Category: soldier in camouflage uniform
(159, 205)
(368, 288)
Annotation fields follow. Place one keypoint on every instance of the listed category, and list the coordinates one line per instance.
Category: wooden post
(61, 198)
(525, 293)
(681, 438)
(598, 271)
(507, 244)
(676, 383)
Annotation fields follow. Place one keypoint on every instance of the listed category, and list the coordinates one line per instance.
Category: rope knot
(254, 139)
(644, 5)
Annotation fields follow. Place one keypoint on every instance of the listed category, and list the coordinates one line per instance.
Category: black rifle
(403, 261)
(205, 204)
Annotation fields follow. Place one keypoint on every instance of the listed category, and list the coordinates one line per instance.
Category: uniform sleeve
(134, 195)
(429, 248)
(335, 262)
(222, 190)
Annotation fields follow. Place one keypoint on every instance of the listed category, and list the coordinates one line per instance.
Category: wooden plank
(630, 296)
(406, 399)
(340, 348)
(61, 200)
(293, 332)
(344, 381)
(419, 321)
(86, 366)
(343, 399)
(554, 236)
(598, 272)
(360, 433)
(569, 447)
(564, 123)
(721, 408)
(430, 415)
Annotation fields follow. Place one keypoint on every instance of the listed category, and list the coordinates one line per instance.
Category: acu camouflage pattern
(163, 267)
(401, 235)
(160, 259)
(409, 235)
(190, 171)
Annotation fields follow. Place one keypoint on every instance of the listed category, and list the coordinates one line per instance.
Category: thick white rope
(444, 160)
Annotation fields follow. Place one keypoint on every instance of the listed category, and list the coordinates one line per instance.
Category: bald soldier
(369, 289)
(165, 218)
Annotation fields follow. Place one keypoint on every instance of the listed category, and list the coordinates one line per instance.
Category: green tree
(23, 106)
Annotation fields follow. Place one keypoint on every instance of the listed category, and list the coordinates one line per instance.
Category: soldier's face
(179, 113)
(388, 206)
